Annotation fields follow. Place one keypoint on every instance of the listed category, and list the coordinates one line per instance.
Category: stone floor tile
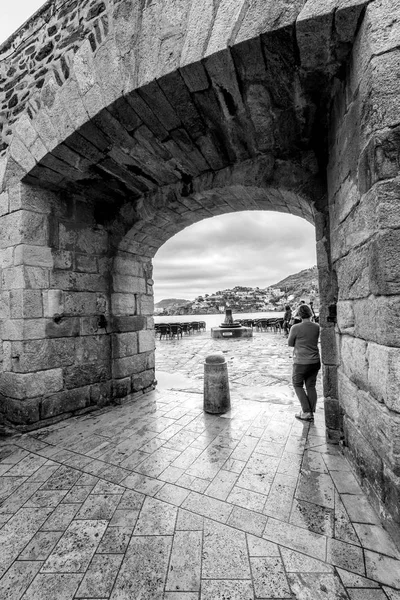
(208, 507)
(366, 594)
(143, 484)
(21, 495)
(352, 580)
(46, 498)
(188, 521)
(44, 472)
(53, 585)
(346, 556)
(18, 578)
(131, 499)
(359, 509)
(75, 549)
(87, 479)
(374, 537)
(99, 579)
(247, 520)
(245, 448)
(336, 462)
(345, 482)
(17, 532)
(106, 487)
(115, 540)
(221, 485)
(77, 494)
(171, 474)
(221, 590)
(185, 564)
(234, 465)
(134, 459)
(27, 466)
(312, 517)
(193, 483)
(313, 586)
(382, 568)
(247, 499)
(296, 538)
(224, 553)
(11, 454)
(144, 568)
(280, 497)
(317, 488)
(313, 461)
(187, 457)
(343, 528)
(269, 448)
(269, 577)
(41, 545)
(290, 464)
(181, 596)
(124, 516)
(259, 547)
(98, 507)
(4, 517)
(63, 479)
(295, 562)
(61, 517)
(392, 594)
(172, 494)
(8, 485)
(156, 518)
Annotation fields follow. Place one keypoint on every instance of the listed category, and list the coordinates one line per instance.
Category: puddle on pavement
(273, 394)
(177, 382)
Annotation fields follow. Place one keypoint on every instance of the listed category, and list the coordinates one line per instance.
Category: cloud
(254, 248)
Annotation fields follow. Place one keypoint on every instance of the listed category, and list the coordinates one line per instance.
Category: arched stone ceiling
(181, 100)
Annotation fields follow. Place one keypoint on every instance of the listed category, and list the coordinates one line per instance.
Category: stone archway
(128, 120)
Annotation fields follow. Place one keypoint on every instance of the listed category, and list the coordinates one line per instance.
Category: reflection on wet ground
(156, 499)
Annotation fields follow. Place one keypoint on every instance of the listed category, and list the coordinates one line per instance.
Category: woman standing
(303, 337)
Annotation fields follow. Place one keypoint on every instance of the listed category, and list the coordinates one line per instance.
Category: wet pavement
(157, 500)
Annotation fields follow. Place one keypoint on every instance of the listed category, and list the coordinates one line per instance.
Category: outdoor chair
(202, 325)
(185, 327)
(164, 330)
(175, 330)
(195, 326)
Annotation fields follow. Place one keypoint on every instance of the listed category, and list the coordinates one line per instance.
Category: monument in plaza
(230, 328)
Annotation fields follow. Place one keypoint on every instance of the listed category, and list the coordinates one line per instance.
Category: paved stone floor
(155, 499)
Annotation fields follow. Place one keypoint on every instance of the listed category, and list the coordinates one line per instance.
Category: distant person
(295, 316)
(303, 337)
(287, 315)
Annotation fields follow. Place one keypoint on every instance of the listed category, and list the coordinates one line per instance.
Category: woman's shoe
(305, 416)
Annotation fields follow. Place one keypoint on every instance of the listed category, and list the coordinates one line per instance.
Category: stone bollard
(217, 399)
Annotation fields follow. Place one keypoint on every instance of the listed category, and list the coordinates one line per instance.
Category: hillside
(305, 281)
(170, 303)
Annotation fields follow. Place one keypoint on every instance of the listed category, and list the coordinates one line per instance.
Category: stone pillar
(54, 307)
(364, 201)
(133, 343)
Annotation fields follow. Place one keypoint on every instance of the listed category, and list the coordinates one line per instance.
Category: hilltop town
(242, 299)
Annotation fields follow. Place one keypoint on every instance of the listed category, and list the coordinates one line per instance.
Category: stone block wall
(364, 201)
(75, 323)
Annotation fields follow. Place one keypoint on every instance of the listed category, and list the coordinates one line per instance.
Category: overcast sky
(248, 248)
(14, 13)
(252, 248)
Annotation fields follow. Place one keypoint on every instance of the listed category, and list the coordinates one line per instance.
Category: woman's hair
(287, 307)
(304, 312)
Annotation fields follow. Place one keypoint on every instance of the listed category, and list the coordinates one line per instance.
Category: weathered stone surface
(377, 319)
(124, 344)
(21, 386)
(384, 263)
(329, 343)
(130, 323)
(146, 341)
(26, 304)
(354, 360)
(123, 304)
(22, 412)
(353, 274)
(85, 374)
(37, 355)
(143, 380)
(64, 402)
(62, 327)
(384, 374)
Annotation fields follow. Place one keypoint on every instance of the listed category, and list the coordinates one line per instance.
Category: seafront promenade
(157, 500)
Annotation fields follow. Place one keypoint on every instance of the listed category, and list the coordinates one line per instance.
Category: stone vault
(127, 120)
